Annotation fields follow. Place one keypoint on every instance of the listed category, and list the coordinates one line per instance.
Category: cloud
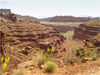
(3, 2)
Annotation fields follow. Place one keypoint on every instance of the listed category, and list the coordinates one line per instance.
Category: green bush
(94, 58)
(50, 66)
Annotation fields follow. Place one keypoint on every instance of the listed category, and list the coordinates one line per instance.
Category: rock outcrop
(87, 30)
(90, 30)
(9, 16)
(31, 33)
(5, 11)
(27, 32)
(25, 37)
(89, 33)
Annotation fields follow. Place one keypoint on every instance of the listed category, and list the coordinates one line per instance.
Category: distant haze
(49, 8)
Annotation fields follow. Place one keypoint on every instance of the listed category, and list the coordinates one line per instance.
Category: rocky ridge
(87, 30)
(89, 33)
(25, 37)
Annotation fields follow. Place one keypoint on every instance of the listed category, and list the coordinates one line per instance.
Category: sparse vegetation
(4, 62)
(49, 54)
(50, 66)
(40, 58)
(94, 58)
(87, 51)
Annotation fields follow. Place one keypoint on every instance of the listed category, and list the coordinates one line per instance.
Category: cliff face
(31, 33)
(88, 30)
(25, 37)
(9, 16)
(27, 32)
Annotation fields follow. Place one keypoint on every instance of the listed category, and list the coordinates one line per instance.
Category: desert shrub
(90, 44)
(40, 58)
(4, 63)
(94, 58)
(50, 66)
(49, 53)
(87, 51)
(71, 60)
(51, 50)
(49, 57)
(19, 72)
(83, 53)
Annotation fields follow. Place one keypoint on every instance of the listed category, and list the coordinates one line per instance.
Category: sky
(49, 8)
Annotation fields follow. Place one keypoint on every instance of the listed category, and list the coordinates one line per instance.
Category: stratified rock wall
(87, 30)
(25, 37)
(9, 16)
(90, 30)
(27, 32)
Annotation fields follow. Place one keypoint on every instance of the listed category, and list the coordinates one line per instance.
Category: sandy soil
(89, 68)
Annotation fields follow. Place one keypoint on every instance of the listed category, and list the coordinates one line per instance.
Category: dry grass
(50, 66)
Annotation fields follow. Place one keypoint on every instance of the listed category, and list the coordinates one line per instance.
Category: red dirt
(89, 68)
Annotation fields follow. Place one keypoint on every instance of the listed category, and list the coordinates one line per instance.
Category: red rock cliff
(88, 30)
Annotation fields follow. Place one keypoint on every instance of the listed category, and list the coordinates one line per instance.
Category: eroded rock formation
(9, 16)
(27, 32)
(87, 30)
(89, 33)
(25, 37)
(5, 11)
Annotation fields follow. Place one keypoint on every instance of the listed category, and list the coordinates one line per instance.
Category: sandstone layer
(90, 34)
(25, 37)
(88, 30)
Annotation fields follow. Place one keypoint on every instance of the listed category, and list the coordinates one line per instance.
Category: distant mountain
(68, 19)
(45, 19)
(25, 17)
(5, 10)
